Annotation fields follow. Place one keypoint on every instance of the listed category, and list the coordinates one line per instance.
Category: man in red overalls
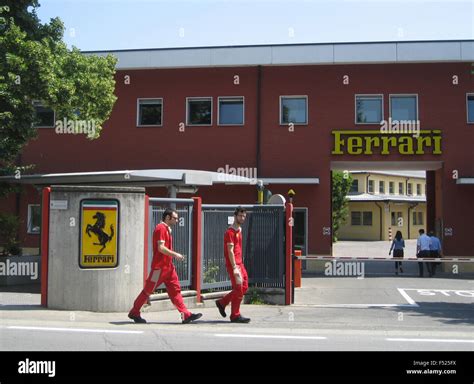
(163, 271)
(235, 268)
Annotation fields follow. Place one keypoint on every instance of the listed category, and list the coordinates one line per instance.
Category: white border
(294, 97)
(138, 112)
(199, 98)
(219, 98)
(368, 95)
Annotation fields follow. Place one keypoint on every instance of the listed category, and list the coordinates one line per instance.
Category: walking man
(236, 269)
(163, 271)
(423, 250)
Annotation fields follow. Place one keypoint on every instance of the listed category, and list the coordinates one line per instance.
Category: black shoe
(192, 317)
(137, 319)
(221, 309)
(240, 319)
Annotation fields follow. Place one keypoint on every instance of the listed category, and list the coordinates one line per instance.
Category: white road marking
(407, 298)
(85, 330)
(250, 336)
(433, 340)
(352, 305)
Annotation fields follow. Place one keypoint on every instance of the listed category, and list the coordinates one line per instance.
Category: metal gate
(182, 234)
(263, 245)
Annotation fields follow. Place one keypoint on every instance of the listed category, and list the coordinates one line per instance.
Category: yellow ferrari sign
(99, 234)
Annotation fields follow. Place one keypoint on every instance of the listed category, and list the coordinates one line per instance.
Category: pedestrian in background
(397, 246)
(423, 250)
(435, 251)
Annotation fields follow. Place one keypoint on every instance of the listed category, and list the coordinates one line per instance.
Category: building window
(354, 186)
(371, 186)
(397, 219)
(417, 218)
(199, 111)
(369, 109)
(403, 107)
(367, 218)
(231, 111)
(410, 189)
(45, 117)
(470, 108)
(418, 189)
(293, 109)
(356, 218)
(400, 188)
(34, 218)
(381, 186)
(150, 112)
(391, 187)
(361, 218)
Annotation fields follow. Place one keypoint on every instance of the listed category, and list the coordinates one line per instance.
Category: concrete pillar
(71, 287)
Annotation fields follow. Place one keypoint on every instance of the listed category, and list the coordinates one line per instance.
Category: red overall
(162, 271)
(235, 297)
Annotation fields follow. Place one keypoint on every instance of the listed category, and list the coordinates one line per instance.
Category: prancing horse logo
(98, 230)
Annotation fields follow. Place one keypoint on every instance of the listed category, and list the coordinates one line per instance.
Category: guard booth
(92, 247)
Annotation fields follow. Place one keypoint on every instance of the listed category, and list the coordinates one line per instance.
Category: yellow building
(380, 202)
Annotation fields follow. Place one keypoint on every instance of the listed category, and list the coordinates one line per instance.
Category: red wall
(306, 152)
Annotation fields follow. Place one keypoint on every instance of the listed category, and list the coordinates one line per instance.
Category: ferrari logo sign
(99, 234)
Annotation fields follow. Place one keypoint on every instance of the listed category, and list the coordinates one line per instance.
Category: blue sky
(128, 24)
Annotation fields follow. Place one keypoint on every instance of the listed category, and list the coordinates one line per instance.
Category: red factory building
(294, 113)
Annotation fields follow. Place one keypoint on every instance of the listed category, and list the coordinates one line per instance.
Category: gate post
(147, 233)
(288, 253)
(197, 238)
(44, 245)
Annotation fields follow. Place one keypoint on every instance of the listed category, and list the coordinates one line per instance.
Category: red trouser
(166, 274)
(238, 291)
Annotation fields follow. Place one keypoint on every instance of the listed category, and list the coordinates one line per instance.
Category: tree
(36, 65)
(341, 184)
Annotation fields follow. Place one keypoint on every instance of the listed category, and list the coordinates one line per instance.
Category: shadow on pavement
(447, 313)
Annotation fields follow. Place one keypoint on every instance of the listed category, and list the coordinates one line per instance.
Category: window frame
(28, 228)
(371, 219)
(197, 98)
(281, 97)
(219, 98)
(138, 112)
(382, 184)
(391, 184)
(417, 118)
(360, 218)
(369, 95)
(467, 107)
(41, 104)
(368, 186)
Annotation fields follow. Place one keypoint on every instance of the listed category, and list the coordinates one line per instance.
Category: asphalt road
(380, 313)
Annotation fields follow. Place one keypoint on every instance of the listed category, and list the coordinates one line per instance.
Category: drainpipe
(380, 209)
(259, 117)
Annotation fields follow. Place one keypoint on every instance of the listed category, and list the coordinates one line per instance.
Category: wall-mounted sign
(99, 234)
(352, 142)
(58, 204)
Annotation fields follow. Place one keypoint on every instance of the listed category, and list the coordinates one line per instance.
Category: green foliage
(253, 296)
(9, 225)
(36, 65)
(210, 273)
(340, 188)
